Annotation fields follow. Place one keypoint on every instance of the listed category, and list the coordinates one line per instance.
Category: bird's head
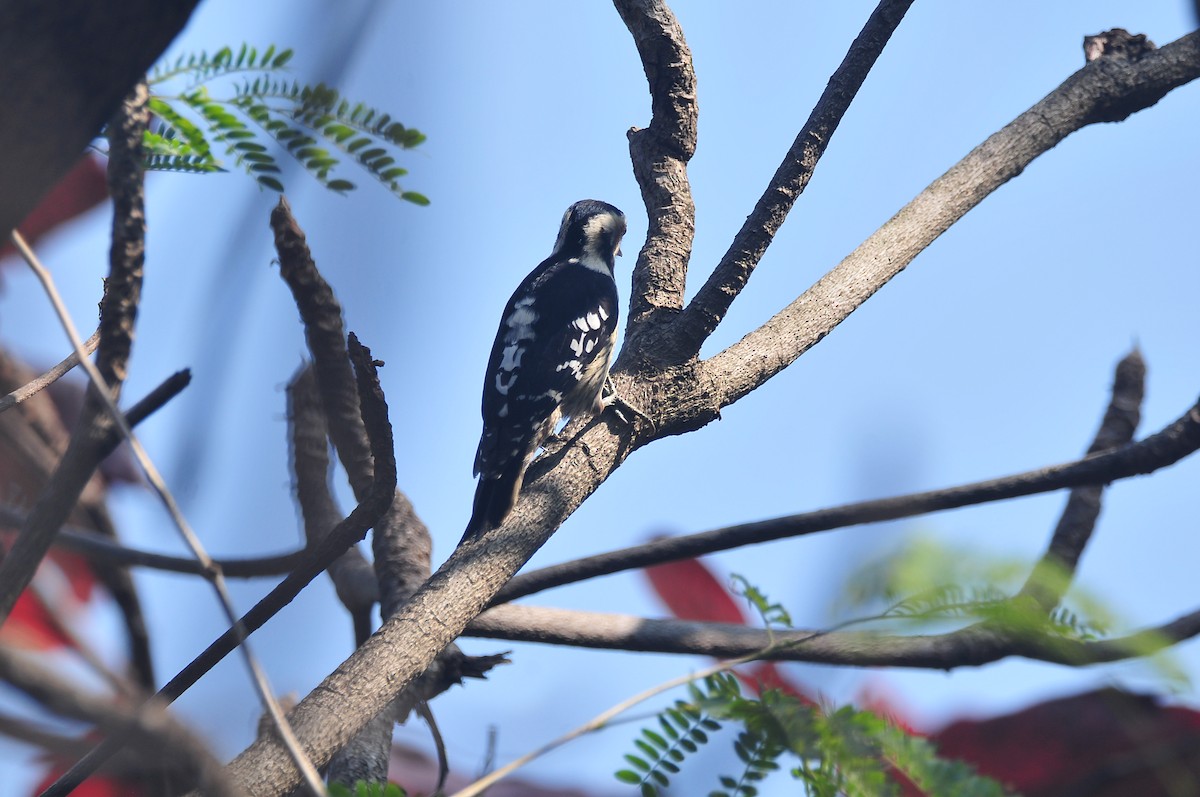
(591, 230)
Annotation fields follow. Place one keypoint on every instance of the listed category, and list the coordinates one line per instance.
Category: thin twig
(1176, 441)
(100, 548)
(50, 377)
(712, 301)
(596, 723)
(103, 549)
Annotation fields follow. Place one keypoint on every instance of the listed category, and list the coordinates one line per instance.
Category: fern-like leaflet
(759, 755)
(310, 123)
(364, 789)
(684, 729)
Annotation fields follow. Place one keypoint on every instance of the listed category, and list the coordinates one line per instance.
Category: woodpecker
(551, 356)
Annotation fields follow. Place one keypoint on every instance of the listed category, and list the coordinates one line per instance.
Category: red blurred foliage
(1106, 743)
(692, 592)
(67, 582)
(96, 786)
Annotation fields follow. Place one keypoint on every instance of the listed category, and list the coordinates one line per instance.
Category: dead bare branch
(711, 303)
(351, 573)
(118, 311)
(972, 646)
(326, 336)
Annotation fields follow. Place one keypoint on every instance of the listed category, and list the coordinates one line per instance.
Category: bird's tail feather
(494, 499)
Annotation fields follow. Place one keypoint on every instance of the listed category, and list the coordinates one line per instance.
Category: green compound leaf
(314, 124)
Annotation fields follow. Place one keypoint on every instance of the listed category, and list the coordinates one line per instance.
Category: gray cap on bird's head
(591, 228)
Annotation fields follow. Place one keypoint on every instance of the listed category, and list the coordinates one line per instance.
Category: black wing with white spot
(549, 361)
(550, 357)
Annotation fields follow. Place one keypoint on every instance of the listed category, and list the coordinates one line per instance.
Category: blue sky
(992, 353)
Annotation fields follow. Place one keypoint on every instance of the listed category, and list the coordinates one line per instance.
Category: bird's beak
(619, 252)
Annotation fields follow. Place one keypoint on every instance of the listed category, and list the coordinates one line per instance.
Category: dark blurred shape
(80, 190)
(1116, 43)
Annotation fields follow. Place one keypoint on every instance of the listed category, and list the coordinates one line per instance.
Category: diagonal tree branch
(1160, 450)
(660, 154)
(1053, 574)
(1108, 89)
(710, 304)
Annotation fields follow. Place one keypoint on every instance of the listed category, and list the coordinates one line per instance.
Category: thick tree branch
(1106, 90)
(66, 67)
(1167, 447)
(411, 639)
(710, 304)
(968, 647)
(403, 549)
(441, 609)
(660, 154)
(1053, 574)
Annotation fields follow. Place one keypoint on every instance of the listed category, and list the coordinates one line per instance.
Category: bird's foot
(610, 398)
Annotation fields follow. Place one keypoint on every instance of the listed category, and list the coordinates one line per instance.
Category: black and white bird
(551, 356)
